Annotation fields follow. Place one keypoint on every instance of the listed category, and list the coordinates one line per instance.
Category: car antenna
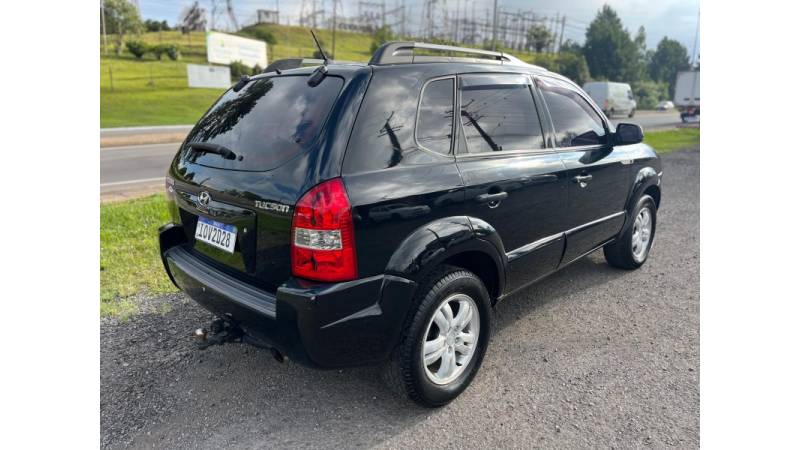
(319, 47)
(319, 73)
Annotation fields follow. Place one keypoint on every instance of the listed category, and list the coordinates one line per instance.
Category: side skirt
(507, 294)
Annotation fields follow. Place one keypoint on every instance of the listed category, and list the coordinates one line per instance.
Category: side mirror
(628, 133)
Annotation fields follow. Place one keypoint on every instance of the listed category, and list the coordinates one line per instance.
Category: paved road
(591, 357)
(129, 171)
(653, 120)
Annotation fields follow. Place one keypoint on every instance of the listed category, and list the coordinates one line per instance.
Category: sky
(676, 19)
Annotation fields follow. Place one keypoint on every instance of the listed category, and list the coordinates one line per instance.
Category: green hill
(153, 92)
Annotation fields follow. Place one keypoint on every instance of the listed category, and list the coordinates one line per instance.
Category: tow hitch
(219, 332)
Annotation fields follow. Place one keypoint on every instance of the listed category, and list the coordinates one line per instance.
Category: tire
(633, 111)
(611, 113)
(624, 252)
(421, 382)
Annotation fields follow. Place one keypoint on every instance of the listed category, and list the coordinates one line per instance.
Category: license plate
(217, 234)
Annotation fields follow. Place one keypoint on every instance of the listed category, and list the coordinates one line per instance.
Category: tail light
(605, 104)
(323, 244)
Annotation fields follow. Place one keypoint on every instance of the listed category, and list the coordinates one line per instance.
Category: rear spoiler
(292, 63)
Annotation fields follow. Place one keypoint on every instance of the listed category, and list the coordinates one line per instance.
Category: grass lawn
(129, 261)
(149, 92)
(670, 140)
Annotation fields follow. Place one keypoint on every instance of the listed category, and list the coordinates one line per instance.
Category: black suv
(351, 214)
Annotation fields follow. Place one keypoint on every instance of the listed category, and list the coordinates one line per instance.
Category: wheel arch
(647, 181)
(460, 241)
(654, 191)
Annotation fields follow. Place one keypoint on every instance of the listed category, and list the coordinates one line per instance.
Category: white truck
(687, 95)
(613, 98)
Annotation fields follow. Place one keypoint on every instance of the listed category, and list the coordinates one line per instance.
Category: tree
(382, 35)
(669, 58)
(609, 50)
(649, 93)
(154, 25)
(570, 46)
(642, 54)
(573, 66)
(121, 18)
(539, 37)
(138, 49)
(266, 36)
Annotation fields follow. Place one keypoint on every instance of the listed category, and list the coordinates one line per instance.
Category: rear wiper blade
(205, 147)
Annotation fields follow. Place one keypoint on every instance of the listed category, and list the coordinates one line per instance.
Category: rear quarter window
(268, 122)
(435, 121)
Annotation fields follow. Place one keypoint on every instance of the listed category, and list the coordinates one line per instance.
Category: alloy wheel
(642, 231)
(450, 338)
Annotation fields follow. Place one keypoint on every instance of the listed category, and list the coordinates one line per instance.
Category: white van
(612, 98)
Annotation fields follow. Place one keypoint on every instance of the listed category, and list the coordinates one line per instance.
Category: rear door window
(435, 122)
(576, 123)
(268, 122)
(498, 113)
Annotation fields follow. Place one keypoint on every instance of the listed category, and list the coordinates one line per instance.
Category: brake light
(323, 244)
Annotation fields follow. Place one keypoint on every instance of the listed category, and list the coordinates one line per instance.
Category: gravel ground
(589, 357)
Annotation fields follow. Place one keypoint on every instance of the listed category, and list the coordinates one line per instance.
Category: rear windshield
(265, 124)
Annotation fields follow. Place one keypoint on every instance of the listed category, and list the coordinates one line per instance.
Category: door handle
(582, 178)
(492, 198)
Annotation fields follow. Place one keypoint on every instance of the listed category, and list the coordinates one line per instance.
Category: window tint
(268, 122)
(435, 124)
(498, 114)
(575, 122)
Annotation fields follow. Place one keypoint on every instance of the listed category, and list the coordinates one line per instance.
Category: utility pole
(455, 28)
(403, 27)
(694, 48)
(494, 28)
(333, 45)
(561, 38)
(103, 21)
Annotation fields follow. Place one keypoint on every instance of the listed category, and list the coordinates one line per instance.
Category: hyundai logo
(204, 198)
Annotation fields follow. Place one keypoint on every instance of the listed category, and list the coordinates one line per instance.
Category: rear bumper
(319, 324)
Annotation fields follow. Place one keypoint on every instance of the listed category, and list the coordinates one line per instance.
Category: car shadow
(584, 274)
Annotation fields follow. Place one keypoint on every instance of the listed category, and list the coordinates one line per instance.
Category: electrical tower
(222, 13)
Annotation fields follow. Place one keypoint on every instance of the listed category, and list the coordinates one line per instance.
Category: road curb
(142, 139)
(162, 134)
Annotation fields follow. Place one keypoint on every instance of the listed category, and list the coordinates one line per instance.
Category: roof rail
(403, 53)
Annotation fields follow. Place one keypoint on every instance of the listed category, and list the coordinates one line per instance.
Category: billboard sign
(226, 48)
(208, 76)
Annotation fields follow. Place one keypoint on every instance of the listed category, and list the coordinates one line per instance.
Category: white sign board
(226, 48)
(208, 76)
